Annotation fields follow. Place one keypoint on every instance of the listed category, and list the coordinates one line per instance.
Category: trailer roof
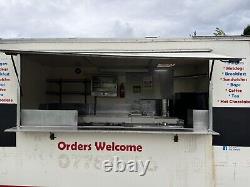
(123, 40)
(204, 54)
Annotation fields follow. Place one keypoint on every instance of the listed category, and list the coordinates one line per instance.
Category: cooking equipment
(104, 86)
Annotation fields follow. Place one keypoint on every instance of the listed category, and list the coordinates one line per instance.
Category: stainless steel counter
(108, 129)
(123, 118)
(56, 121)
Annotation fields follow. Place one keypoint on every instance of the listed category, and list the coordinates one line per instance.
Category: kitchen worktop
(125, 118)
(110, 129)
(115, 123)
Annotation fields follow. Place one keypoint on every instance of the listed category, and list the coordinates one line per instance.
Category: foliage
(247, 30)
(219, 32)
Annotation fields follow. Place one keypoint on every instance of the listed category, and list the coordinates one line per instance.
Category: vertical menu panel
(231, 86)
(8, 101)
(8, 81)
(231, 102)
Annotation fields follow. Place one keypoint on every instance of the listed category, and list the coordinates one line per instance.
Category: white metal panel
(183, 164)
(8, 80)
(171, 54)
(231, 85)
(232, 166)
(49, 117)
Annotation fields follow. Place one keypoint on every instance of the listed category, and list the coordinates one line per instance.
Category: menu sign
(231, 86)
(8, 82)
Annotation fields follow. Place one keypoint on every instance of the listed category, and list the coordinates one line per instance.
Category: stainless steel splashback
(49, 117)
(163, 83)
(199, 119)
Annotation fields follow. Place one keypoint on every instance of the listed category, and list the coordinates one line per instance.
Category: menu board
(230, 84)
(8, 81)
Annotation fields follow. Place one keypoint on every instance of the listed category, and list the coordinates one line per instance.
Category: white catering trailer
(127, 112)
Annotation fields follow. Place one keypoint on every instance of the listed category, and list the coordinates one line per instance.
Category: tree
(219, 32)
(246, 31)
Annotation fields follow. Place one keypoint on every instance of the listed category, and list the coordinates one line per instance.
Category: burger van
(128, 112)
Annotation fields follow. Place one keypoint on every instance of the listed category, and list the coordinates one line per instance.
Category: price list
(231, 85)
(8, 89)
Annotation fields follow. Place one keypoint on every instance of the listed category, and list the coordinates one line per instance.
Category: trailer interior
(114, 91)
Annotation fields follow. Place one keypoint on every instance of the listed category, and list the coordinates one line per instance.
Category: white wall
(232, 166)
(38, 161)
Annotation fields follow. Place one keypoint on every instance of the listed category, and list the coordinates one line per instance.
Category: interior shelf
(66, 93)
(85, 91)
(191, 76)
(68, 81)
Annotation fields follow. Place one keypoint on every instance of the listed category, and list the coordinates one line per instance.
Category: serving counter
(144, 129)
(162, 156)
